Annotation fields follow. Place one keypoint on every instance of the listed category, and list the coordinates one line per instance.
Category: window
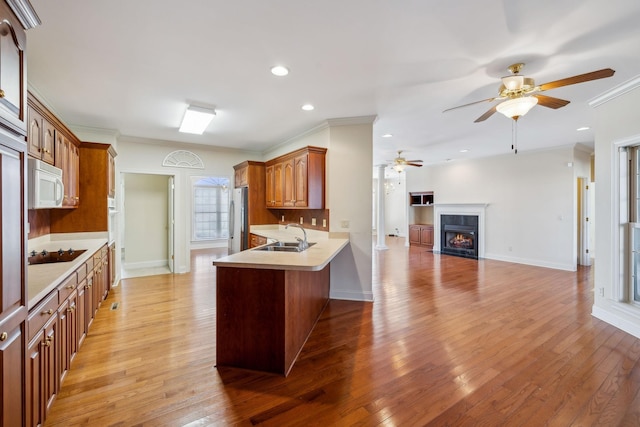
(632, 158)
(210, 208)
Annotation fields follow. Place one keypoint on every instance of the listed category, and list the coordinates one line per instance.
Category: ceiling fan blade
(551, 102)
(414, 161)
(581, 78)
(486, 115)
(413, 164)
(471, 103)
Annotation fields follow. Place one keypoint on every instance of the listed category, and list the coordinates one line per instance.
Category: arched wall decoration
(183, 159)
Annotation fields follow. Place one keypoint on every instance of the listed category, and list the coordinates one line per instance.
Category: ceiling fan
(520, 94)
(399, 163)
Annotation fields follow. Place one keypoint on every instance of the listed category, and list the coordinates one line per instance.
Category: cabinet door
(269, 186)
(74, 174)
(48, 142)
(278, 187)
(414, 234)
(88, 302)
(35, 394)
(81, 314)
(34, 134)
(12, 357)
(50, 370)
(300, 181)
(289, 195)
(12, 72)
(64, 358)
(426, 236)
(60, 152)
(240, 177)
(112, 176)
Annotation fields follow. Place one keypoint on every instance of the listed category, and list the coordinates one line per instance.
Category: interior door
(171, 223)
(584, 257)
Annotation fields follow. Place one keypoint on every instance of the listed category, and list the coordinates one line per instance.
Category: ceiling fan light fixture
(517, 107)
(398, 168)
(513, 82)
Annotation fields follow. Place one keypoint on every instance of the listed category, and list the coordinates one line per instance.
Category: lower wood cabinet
(56, 328)
(421, 235)
(256, 241)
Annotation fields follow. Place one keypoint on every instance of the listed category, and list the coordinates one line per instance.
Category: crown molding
(617, 91)
(25, 13)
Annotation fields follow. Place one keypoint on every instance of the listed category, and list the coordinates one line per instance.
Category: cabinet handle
(70, 286)
(4, 336)
(44, 313)
(1, 93)
(77, 197)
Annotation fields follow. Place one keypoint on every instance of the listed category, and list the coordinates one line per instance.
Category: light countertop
(326, 247)
(43, 278)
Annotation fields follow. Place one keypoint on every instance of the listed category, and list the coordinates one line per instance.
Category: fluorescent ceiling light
(387, 135)
(464, 150)
(279, 71)
(583, 128)
(196, 119)
(307, 107)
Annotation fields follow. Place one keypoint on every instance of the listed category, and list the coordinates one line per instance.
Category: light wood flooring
(448, 341)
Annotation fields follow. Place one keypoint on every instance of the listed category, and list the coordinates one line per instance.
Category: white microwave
(46, 189)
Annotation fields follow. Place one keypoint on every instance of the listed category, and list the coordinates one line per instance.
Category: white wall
(349, 144)
(616, 120)
(146, 156)
(530, 217)
(145, 211)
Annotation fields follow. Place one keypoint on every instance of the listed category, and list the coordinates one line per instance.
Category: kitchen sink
(282, 247)
(46, 257)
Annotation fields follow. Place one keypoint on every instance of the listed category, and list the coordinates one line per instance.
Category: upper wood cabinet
(297, 179)
(12, 72)
(94, 167)
(40, 137)
(112, 174)
(252, 174)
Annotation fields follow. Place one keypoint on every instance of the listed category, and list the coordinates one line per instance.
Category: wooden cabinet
(112, 173)
(92, 213)
(422, 198)
(421, 235)
(56, 329)
(13, 70)
(67, 158)
(40, 137)
(297, 179)
(13, 310)
(256, 241)
(112, 265)
(253, 175)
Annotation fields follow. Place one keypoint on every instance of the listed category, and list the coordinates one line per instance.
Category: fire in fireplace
(459, 235)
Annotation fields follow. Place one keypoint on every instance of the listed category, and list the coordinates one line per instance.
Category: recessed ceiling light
(307, 107)
(583, 128)
(387, 135)
(464, 150)
(279, 71)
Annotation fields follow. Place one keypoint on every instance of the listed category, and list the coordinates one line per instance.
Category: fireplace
(459, 235)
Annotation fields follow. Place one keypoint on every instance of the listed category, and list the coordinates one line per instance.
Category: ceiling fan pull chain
(514, 136)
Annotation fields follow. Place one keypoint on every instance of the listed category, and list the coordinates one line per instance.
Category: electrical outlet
(301, 220)
(324, 223)
(282, 218)
(601, 292)
(344, 223)
(313, 221)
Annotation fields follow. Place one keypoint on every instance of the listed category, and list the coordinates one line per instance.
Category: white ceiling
(133, 66)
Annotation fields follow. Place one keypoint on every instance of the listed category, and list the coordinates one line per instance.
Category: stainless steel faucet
(302, 244)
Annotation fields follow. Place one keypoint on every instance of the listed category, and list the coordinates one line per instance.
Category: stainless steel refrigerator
(239, 220)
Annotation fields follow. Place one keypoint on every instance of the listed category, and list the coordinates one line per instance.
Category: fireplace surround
(459, 235)
(462, 209)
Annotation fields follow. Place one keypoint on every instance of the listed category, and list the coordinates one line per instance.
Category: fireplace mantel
(459, 209)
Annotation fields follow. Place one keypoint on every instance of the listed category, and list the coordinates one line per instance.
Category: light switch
(324, 223)
(313, 221)
(301, 220)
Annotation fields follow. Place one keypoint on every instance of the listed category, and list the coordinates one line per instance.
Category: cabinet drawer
(89, 265)
(66, 287)
(41, 313)
(81, 272)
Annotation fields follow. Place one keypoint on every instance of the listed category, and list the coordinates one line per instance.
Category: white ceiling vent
(183, 159)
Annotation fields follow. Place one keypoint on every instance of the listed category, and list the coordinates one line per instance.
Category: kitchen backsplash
(39, 222)
(307, 215)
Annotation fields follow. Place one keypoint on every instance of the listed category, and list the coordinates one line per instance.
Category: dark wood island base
(264, 316)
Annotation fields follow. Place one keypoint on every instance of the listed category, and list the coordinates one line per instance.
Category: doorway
(147, 232)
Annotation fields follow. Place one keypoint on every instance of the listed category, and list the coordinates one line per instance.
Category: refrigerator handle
(231, 218)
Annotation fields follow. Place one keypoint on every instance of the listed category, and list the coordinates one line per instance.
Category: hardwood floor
(448, 341)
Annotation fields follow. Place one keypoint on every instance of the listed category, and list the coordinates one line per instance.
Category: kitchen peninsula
(267, 303)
